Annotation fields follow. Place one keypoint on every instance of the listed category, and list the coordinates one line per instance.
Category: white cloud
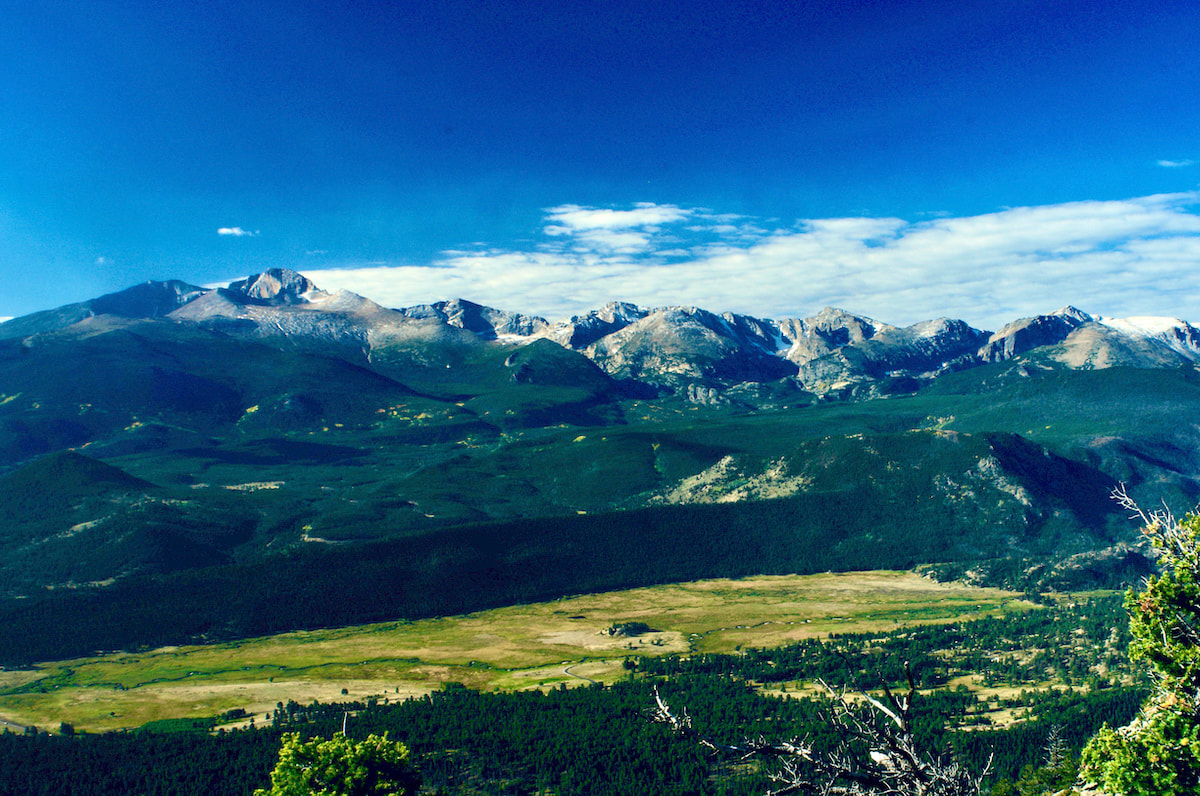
(1176, 164)
(567, 219)
(1116, 258)
(237, 232)
(102, 261)
(613, 241)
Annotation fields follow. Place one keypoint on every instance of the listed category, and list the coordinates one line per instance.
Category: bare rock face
(582, 330)
(732, 481)
(678, 345)
(826, 332)
(928, 346)
(1023, 335)
(1095, 345)
(1185, 337)
(706, 396)
(276, 286)
(281, 304)
(836, 349)
(1079, 340)
(486, 322)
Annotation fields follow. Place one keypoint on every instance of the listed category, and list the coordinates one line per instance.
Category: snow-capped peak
(1144, 325)
(1175, 333)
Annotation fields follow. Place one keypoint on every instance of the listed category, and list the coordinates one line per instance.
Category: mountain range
(180, 462)
(666, 349)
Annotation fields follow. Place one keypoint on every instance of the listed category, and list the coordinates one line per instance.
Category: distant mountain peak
(277, 286)
(582, 330)
(1173, 333)
(147, 300)
(1019, 336)
(836, 315)
(617, 309)
(1147, 325)
(1074, 313)
(487, 323)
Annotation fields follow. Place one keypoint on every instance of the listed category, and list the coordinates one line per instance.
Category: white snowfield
(1178, 334)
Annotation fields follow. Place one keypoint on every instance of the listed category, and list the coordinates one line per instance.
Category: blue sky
(905, 160)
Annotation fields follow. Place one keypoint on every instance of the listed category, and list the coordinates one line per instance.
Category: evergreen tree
(341, 767)
(1159, 752)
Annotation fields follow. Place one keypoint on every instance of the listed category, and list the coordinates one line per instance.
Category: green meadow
(567, 641)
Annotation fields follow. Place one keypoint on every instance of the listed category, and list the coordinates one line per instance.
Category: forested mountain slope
(268, 456)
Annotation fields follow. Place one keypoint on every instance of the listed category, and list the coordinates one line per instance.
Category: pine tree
(341, 767)
(1159, 752)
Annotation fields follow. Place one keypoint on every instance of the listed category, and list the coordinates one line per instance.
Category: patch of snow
(783, 346)
(794, 350)
(1143, 325)
(321, 297)
(1178, 335)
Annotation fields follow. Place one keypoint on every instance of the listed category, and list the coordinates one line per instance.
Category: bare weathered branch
(876, 755)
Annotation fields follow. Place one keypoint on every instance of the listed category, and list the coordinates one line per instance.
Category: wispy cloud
(612, 231)
(574, 218)
(1176, 164)
(1129, 257)
(237, 232)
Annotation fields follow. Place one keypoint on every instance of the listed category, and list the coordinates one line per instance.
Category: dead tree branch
(876, 755)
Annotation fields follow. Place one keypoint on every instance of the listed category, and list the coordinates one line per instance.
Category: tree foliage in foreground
(1159, 752)
(342, 767)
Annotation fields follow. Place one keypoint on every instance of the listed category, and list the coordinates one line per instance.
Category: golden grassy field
(529, 646)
